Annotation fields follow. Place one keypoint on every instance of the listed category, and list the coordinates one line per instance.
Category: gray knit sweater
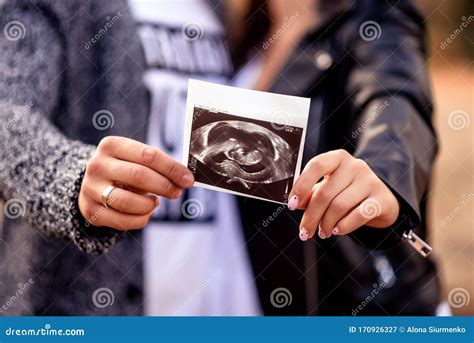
(70, 74)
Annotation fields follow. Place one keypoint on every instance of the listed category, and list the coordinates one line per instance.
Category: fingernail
(293, 203)
(187, 180)
(157, 201)
(335, 231)
(321, 233)
(304, 234)
(177, 193)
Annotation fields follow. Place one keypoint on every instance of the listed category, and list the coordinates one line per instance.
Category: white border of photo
(282, 110)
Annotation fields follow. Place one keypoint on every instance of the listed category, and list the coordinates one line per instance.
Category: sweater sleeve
(41, 170)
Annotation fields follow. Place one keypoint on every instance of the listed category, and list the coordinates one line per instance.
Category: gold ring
(105, 195)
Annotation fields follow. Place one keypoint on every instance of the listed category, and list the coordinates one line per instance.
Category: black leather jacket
(369, 95)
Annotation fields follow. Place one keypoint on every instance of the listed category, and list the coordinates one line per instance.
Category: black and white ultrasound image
(248, 156)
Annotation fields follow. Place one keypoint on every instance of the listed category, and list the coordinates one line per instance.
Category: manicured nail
(321, 233)
(293, 203)
(304, 234)
(187, 180)
(335, 231)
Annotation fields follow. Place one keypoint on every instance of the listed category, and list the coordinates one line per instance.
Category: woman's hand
(142, 171)
(349, 196)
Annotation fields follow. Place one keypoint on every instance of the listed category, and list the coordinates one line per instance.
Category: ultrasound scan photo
(246, 156)
(241, 154)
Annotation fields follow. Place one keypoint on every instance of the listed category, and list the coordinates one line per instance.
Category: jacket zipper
(423, 248)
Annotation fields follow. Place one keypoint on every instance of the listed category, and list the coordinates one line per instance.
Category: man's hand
(350, 196)
(141, 171)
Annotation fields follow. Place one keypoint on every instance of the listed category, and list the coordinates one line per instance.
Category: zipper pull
(417, 243)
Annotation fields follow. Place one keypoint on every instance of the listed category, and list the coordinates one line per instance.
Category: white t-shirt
(198, 266)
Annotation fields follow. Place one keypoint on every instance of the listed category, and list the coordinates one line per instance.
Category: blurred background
(451, 65)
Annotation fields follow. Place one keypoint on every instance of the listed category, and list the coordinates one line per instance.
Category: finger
(98, 215)
(367, 210)
(342, 204)
(322, 196)
(139, 191)
(124, 200)
(318, 167)
(137, 152)
(141, 177)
